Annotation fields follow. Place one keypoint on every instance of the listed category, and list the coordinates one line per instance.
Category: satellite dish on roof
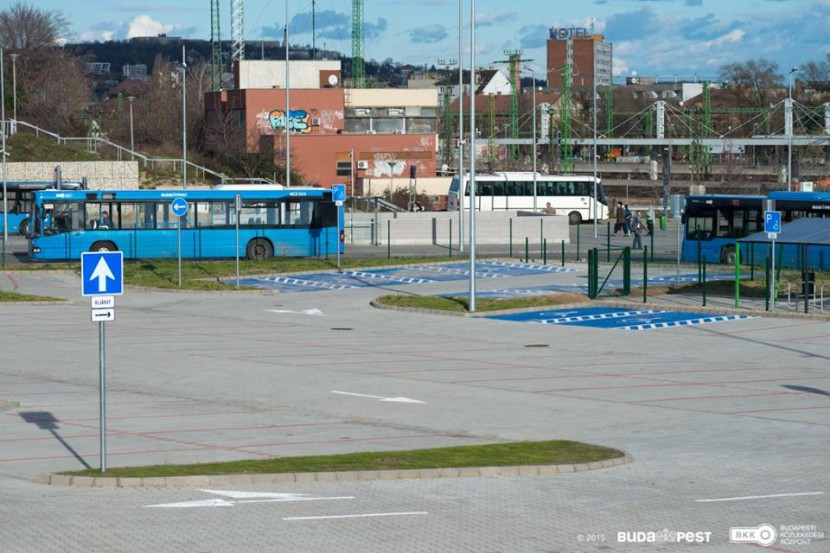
(332, 80)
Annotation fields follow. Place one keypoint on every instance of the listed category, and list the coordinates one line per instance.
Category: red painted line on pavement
(775, 410)
(13, 281)
(729, 396)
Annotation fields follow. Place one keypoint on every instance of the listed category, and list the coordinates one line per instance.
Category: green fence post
(699, 246)
(389, 239)
(703, 284)
(450, 237)
(651, 240)
(627, 271)
(527, 250)
(645, 275)
(544, 251)
(591, 273)
(766, 282)
(737, 275)
(563, 253)
(752, 261)
(608, 240)
(511, 238)
(541, 231)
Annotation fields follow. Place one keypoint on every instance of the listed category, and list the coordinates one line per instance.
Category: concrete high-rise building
(584, 52)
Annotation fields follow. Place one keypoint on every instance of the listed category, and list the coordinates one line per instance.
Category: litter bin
(808, 282)
(662, 222)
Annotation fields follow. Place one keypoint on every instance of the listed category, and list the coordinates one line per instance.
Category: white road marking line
(365, 515)
(757, 497)
(381, 398)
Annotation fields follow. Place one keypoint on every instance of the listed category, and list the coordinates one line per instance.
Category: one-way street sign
(105, 315)
(102, 273)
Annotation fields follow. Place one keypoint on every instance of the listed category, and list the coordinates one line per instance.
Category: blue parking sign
(102, 273)
(338, 193)
(772, 221)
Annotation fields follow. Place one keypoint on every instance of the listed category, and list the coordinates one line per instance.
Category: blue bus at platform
(713, 224)
(18, 202)
(273, 221)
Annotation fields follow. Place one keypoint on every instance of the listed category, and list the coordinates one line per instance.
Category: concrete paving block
(154, 482)
(367, 475)
(448, 473)
(468, 471)
(104, 482)
(346, 476)
(304, 477)
(431, 473)
(240, 479)
(489, 472)
(508, 472)
(60, 480)
(325, 476)
(528, 470)
(566, 468)
(548, 470)
(283, 478)
(83, 481)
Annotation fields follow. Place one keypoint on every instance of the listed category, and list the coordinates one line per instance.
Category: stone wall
(99, 174)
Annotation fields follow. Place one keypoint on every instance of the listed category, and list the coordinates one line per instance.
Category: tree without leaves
(756, 79)
(23, 27)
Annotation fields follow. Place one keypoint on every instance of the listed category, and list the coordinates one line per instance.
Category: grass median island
(14, 296)
(551, 452)
(461, 305)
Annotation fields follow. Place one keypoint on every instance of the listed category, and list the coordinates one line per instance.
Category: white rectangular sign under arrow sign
(103, 315)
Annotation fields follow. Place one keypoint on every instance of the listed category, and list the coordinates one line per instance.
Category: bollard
(752, 261)
(527, 250)
(577, 243)
(389, 239)
(608, 240)
(511, 239)
(544, 251)
(645, 275)
(563, 253)
(737, 275)
(651, 239)
(703, 284)
(450, 237)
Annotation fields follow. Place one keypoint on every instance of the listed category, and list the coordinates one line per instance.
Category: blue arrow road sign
(338, 192)
(102, 273)
(179, 207)
(772, 221)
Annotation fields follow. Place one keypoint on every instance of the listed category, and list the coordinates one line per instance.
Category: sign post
(237, 204)
(772, 226)
(179, 209)
(102, 278)
(338, 194)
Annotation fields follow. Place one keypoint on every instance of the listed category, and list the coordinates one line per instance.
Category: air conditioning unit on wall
(362, 164)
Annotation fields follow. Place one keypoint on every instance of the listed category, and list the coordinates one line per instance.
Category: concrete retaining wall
(99, 174)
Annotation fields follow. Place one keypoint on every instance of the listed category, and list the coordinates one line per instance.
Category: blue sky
(663, 38)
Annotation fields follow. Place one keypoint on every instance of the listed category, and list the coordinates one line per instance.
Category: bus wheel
(574, 217)
(728, 255)
(259, 249)
(103, 246)
(23, 229)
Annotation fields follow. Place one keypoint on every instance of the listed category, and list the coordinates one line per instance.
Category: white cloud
(144, 25)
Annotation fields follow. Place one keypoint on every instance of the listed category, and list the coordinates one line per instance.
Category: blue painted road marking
(615, 318)
(418, 274)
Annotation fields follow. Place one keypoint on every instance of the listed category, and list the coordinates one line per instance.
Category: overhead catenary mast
(238, 30)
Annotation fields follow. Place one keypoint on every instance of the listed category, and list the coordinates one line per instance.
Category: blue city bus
(714, 223)
(273, 221)
(19, 201)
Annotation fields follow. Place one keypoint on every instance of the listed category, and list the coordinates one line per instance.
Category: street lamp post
(789, 129)
(184, 119)
(595, 144)
(472, 305)
(287, 107)
(461, 191)
(14, 87)
(533, 74)
(4, 127)
(131, 99)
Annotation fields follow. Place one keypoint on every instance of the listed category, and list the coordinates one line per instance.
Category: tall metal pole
(14, 86)
(462, 193)
(184, 118)
(4, 127)
(102, 395)
(287, 107)
(533, 73)
(595, 143)
(789, 128)
(131, 99)
(472, 156)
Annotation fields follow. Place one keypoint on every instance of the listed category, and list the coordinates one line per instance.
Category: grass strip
(14, 296)
(461, 304)
(550, 452)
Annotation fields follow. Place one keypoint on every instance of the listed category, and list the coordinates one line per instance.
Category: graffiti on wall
(299, 120)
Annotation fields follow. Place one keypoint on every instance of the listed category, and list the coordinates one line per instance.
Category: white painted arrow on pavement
(238, 497)
(381, 398)
(312, 311)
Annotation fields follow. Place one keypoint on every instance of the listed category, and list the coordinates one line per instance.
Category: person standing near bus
(627, 220)
(619, 221)
(637, 229)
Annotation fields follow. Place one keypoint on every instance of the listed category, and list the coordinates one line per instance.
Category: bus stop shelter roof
(811, 231)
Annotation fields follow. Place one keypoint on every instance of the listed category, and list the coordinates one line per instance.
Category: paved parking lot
(728, 424)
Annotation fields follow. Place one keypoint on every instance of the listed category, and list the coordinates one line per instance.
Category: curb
(338, 476)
